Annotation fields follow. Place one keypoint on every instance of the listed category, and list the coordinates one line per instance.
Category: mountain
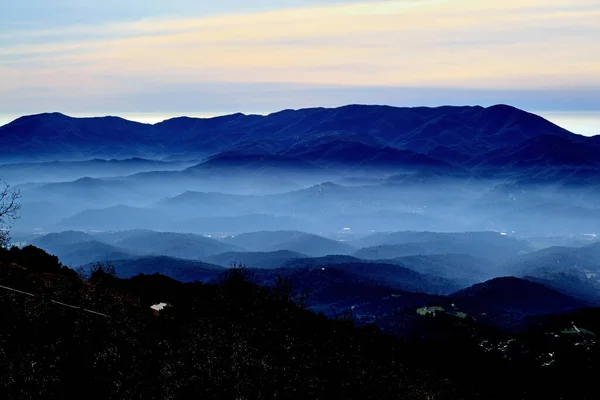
(120, 217)
(399, 277)
(177, 245)
(340, 152)
(543, 151)
(390, 251)
(192, 199)
(77, 248)
(264, 260)
(318, 208)
(470, 130)
(389, 274)
(103, 353)
(242, 160)
(582, 286)
(81, 248)
(509, 301)
(463, 268)
(262, 342)
(559, 217)
(56, 171)
(574, 271)
(335, 289)
(490, 246)
(218, 204)
(449, 155)
(182, 270)
(56, 136)
(314, 262)
(386, 220)
(240, 223)
(305, 243)
(57, 241)
(90, 252)
(81, 189)
(556, 258)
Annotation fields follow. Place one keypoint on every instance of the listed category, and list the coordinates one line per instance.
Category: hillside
(80, 248)
(336, 290)
(272, 259)
(119, 217)
(462, 268)
(508, 301)
(77, 248)
(542, 151)
(179, 269)
(238, 160)
(555, 259)
(469, 130)
(570, 270)
(178, 245)
(491, 246)
(338, 152)
(54, 171)
(309, 244)
(58, 241)
(237, 339)
(120, 357)
(385, 276)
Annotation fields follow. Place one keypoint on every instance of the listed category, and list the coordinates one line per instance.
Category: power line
(55, 302)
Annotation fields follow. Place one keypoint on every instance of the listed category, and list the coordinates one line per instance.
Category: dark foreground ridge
(235, 339)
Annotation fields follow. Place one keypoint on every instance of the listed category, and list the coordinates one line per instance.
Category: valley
(352, 203)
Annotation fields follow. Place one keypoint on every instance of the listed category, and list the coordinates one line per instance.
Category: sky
(148, 60)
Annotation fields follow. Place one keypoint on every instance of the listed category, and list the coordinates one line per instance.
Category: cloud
(460, 44)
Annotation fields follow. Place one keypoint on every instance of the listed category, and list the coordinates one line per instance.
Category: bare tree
(96, 270)
(9, 208)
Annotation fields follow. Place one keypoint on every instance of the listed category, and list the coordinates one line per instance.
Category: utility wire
(55, 302)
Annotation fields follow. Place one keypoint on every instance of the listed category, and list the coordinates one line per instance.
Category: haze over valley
(354, 170)
(421, 200)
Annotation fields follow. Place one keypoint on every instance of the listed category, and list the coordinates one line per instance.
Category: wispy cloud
(528, 44)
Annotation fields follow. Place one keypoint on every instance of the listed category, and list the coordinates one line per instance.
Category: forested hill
(236, 340)
(344, 134)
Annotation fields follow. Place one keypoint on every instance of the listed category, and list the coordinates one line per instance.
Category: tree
(284, 289)
(96, 271)
(9, 208)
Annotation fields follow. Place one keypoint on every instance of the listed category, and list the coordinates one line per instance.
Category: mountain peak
(46, 116)
(503, 108)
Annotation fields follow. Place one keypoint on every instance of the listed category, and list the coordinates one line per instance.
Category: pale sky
(195, 57)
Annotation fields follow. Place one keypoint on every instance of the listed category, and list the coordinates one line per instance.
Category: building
(157, 308)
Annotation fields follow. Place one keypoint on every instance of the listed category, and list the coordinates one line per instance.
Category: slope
(305, 243)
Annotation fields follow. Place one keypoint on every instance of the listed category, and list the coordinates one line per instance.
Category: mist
(236, 200)
(425, 212)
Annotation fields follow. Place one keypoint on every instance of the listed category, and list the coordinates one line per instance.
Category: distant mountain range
(355, 135)
(479, 281)
(55, 171)
(300, 242)
(368, 168)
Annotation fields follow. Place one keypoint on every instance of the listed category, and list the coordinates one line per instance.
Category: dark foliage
(35, 260)
(238, 340)
(232, 340)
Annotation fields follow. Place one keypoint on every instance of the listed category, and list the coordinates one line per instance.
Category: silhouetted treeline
(239, 340)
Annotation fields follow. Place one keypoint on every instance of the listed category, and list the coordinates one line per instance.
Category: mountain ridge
(473, 130)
